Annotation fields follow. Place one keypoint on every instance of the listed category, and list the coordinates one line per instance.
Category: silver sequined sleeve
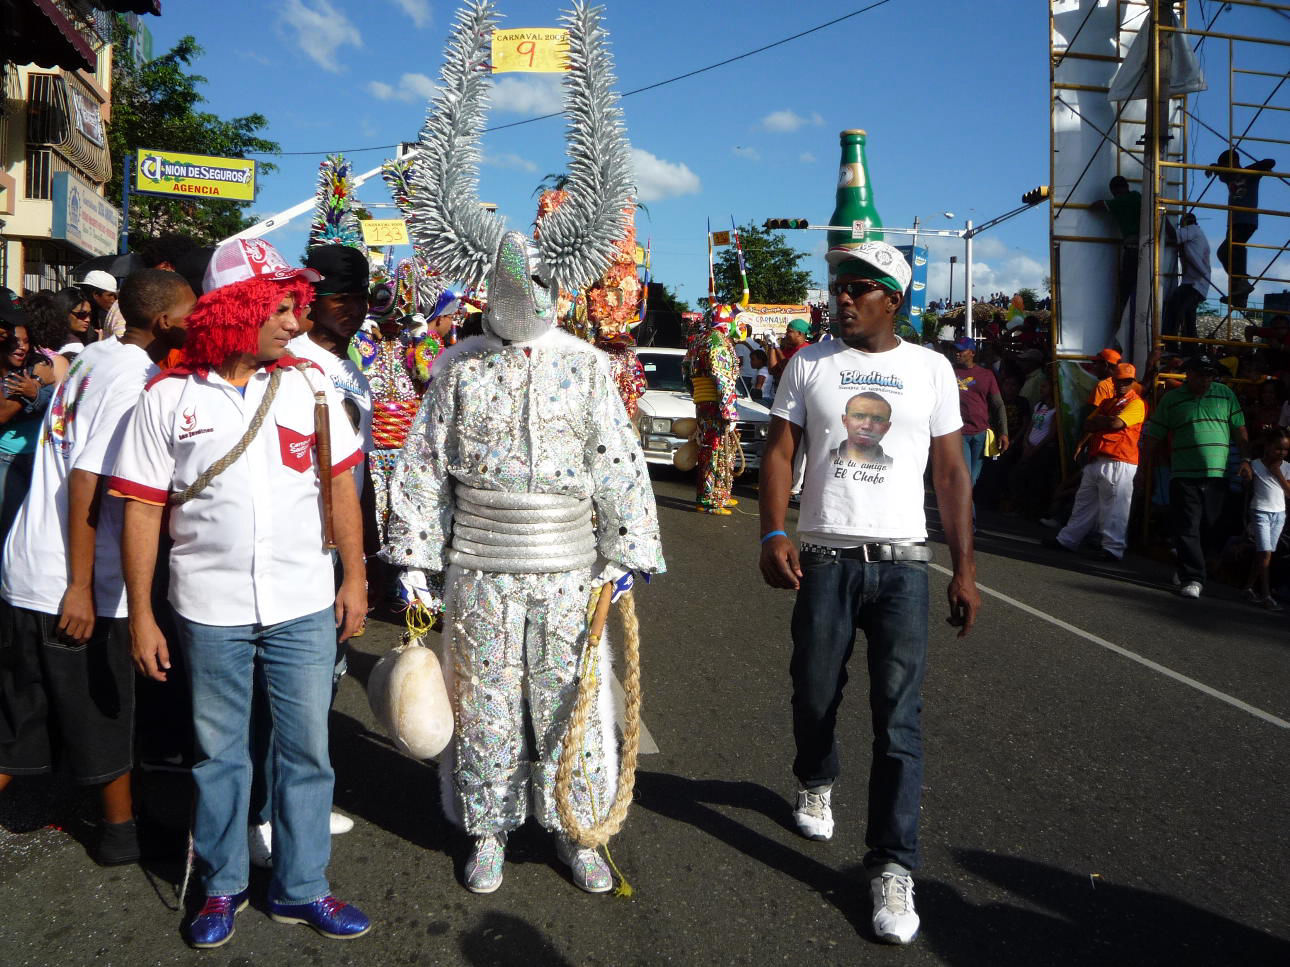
(626, 517)
(421, 490)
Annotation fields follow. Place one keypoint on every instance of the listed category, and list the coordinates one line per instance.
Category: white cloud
(1002, 270)
(806, 158)
(320, 31)
(784, 121)
(751, 154)
(531, 94)
(507, 160)
(418, 10)
(657, 179)
(411, 87)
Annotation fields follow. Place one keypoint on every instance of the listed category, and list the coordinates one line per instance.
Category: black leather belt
(873, 553)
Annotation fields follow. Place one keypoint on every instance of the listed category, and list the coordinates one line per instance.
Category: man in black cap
(1198, 420)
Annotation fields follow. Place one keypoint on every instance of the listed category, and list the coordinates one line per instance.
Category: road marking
(648, 746)
(1125, 653)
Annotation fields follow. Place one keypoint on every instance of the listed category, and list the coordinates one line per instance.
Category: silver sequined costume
(538, 426)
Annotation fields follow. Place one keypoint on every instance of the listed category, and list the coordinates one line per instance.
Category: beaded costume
(714, 371)
(521, 482)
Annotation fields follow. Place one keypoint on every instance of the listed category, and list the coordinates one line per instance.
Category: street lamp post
(953, 259)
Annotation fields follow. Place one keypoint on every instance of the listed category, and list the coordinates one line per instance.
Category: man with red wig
(233, 443)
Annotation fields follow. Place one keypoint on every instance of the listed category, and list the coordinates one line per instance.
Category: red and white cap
(241, 259)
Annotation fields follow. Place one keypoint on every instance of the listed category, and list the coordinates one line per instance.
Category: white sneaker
(260, 839)
(484, 867)
(894, 919)
(590, 872)
(340, 824)
(814, 813)
(1191, 589)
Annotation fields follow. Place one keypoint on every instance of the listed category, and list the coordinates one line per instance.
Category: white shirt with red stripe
(248, 550)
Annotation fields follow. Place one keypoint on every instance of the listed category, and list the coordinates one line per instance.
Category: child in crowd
(763, 389)
(1267, 512)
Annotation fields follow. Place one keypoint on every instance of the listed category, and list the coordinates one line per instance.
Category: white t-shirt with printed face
(82, 430)
(868, 420)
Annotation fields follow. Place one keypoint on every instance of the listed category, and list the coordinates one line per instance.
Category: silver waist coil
(518, 533)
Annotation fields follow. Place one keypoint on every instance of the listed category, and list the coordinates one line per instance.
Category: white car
(668, 399)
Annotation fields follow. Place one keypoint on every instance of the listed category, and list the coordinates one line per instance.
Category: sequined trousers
(381, 464)
(717, 453)
(512, 645)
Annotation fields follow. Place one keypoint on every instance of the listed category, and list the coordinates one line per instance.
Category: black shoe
(118, 844)
(1053, 544)
(1107, 556)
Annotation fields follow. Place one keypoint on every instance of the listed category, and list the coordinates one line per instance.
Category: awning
(131, 6)
(47, 37)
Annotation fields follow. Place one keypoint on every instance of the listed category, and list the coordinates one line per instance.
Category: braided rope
(223, 463)
(599, 833)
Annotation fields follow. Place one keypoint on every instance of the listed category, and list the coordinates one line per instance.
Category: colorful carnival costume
(522, 483)
(714, 372)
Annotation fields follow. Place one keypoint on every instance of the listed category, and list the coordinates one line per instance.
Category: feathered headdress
(334, 220)
(577, 242)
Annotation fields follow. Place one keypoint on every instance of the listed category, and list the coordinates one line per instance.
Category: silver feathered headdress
(459, 237)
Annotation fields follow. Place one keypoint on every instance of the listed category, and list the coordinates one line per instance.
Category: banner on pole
(174, 173)
(720, 238)
(537, 50)
(385, 231)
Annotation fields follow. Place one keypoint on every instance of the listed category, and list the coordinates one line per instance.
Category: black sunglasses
(83, 314)
(856, 288)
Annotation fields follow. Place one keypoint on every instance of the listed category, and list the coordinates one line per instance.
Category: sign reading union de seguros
(173, 173)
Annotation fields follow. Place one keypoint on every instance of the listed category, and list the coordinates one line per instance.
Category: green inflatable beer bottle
(854, 195)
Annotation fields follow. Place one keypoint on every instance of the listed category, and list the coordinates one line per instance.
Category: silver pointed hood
(520, 304)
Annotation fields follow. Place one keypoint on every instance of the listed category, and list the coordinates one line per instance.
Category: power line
(639, 90)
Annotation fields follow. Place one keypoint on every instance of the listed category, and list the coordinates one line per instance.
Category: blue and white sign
(82, 217)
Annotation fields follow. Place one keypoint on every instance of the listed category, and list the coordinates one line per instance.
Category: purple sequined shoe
(213, 925)
(329, 916)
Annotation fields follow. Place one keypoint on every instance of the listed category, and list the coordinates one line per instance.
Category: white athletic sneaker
(1191, 589)
(894, 919)
(814, 813)
(260, 839)
(340, 824)
(484, 868)
(590, 872)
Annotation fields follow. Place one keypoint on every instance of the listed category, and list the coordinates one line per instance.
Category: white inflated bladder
(410, 701)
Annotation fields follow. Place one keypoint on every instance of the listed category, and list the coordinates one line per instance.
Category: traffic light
(1035, 195)
(773, 224)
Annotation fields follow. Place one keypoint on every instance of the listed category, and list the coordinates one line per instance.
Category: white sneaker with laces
(260, 840)
(1191, 589)
(814, 813)
(484, 868)
(894, 919)
(340, 823)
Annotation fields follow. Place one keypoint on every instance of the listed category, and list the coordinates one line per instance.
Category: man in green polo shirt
(1196, 424)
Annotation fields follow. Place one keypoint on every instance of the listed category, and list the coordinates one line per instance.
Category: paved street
(1108, 789)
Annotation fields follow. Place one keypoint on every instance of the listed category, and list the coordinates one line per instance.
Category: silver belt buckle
(876, 548)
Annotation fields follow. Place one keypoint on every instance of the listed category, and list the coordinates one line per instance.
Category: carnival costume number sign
(535, 50)
(385, 231)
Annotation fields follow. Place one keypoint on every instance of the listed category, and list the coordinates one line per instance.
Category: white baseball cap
(877, 258)
(241, 259)
(99, 279)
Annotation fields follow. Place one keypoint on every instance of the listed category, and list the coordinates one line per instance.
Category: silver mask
(520, 303)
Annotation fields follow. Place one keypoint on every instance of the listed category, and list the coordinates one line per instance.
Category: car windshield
(666, 372)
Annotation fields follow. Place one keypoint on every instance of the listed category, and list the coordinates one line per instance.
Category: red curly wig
(227, 321)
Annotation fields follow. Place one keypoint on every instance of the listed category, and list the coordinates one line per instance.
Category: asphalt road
(1082, 805)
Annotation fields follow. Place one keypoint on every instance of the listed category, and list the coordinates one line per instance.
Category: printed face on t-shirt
(867, 419)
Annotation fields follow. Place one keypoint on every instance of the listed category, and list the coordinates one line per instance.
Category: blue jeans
(888, 602)
(974, 456)
(297, 658)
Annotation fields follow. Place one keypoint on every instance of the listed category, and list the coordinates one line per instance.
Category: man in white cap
(863, 558)
(101, 289)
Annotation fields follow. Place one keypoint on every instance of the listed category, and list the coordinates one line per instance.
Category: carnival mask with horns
(466, 242)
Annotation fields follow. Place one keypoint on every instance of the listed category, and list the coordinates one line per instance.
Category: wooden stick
(322, 433)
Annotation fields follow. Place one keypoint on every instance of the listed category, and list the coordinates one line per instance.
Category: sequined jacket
(712, 354)
(544, 417)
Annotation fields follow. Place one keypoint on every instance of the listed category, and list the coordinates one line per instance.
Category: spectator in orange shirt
(1106, 488)
(1104, 364)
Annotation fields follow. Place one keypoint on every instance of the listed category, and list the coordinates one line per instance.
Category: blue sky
(955, 103)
